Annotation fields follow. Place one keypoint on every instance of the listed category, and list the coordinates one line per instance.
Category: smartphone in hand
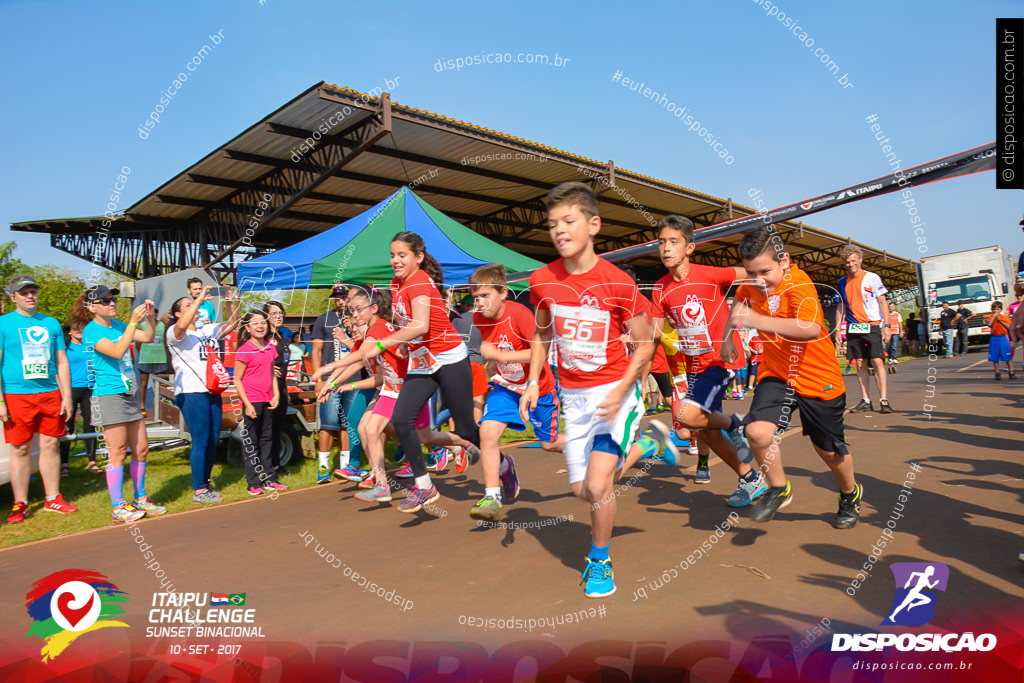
(218, 291)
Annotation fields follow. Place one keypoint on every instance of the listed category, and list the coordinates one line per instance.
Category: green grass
(168, 483)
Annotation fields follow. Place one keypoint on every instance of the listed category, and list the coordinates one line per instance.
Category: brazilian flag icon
(236, 599)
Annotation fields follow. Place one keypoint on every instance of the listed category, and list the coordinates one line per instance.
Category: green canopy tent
(357, 251)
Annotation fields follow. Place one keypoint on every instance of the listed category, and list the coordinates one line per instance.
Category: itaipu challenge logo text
(71, 603)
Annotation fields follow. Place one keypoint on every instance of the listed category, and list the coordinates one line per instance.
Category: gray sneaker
(747, 492)
(377, 494)
(207, 496)
(739, 441)
(126, 513)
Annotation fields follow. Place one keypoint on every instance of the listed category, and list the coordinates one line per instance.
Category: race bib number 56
(582, 336)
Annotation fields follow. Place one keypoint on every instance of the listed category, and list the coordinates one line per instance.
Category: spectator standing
(328, 347)
(81, 393)
(254, 380)
(279, 337)
(896, 330)
(947, 325)
(35, 395)
(115, 406)
(152, 361)
(963, 315)
(188, 346)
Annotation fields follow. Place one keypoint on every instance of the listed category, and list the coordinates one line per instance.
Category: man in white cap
(35, 395)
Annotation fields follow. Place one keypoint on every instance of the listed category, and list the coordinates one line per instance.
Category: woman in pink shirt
(254, 379)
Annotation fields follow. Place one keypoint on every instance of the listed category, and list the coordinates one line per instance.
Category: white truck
(976, 277)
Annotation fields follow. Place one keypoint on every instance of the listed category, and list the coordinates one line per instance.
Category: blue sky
(78, 78)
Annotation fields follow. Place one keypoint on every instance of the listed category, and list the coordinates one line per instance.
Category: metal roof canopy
(201, 216)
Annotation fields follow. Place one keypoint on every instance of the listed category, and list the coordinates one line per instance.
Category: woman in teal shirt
(115, 405)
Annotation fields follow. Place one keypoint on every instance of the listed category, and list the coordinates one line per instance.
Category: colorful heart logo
(37, 335)
(75, 606)
(73, 615)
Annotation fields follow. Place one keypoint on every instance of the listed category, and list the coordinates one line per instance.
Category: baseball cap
(339, 290)
(101, 292)
(18, 282)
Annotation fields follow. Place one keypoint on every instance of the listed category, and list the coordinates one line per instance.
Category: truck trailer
(975, 277)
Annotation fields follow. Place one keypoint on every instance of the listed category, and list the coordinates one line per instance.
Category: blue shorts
(999, 348)
(330, 413)
(503, 406)
(707, 389)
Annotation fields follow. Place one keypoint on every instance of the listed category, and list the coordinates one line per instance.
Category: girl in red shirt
(438, 359)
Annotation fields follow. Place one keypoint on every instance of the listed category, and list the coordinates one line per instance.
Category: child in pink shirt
(254, 379)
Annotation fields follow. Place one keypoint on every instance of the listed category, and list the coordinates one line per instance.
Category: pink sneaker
(274, 486)
(255, 491)
(405, 472)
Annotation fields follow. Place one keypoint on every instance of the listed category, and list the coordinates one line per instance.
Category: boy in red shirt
(507, 329)
(999, 348)
(582, 302)
(692, 297)
(799, 370)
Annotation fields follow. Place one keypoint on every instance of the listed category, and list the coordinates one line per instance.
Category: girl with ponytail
(438, 359)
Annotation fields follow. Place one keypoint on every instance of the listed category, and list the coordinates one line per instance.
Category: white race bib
(33, 368)
(859, 328)
(422, 361)
(582, 336)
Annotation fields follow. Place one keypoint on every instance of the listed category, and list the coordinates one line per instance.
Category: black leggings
(455, 382)
(664, 381)
(79, 406)
(279, 422)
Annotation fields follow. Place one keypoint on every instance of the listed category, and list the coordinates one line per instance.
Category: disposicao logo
(69, 603)
(914, 605)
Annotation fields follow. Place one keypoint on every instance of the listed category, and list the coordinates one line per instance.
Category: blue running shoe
(660, 432)
(323, 476)
(352, 473)
(703, 473)
(747, 492)
(598, 578)
(399, 456)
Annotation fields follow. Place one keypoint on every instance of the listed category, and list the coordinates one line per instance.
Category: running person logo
(916, 583)
(71, 603)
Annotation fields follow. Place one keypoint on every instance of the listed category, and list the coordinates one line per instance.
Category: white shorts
(582, 425)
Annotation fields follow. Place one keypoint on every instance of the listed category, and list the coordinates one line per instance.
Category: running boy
(783, 307)
(506, 329)
(692, 297)
(583, 302)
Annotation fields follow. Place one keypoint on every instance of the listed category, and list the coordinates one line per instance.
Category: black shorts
(865, 345)
(822, 420)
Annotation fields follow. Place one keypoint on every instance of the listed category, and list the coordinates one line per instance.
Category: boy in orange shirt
(799, 371)
(999, 348)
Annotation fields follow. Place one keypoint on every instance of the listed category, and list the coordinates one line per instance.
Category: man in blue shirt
(207, 311)
(35, 395)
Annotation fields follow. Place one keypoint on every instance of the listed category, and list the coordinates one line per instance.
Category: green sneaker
(148, 506)
(487, 509)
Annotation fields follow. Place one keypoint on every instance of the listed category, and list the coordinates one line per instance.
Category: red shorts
(479, 380)
(33, 414)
